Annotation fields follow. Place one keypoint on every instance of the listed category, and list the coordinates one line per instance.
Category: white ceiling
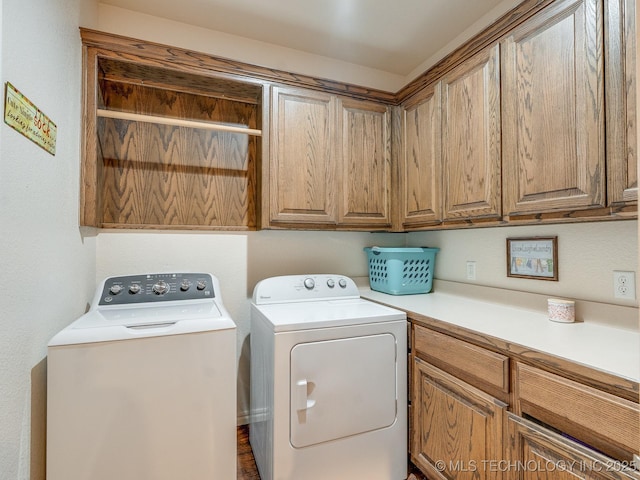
(391, 36)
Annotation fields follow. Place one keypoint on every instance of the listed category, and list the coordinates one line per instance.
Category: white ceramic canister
(563, 311)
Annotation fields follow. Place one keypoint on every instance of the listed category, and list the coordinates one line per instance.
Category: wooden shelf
(176, 122)
(167, 147)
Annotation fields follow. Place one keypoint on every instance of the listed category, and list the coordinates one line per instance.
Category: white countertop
(599, 346)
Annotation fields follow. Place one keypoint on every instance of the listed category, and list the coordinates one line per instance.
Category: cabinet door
(553, 110)
(457, 428)
(302, 177)
(620, 92)
(421, 162)
(536, 453)
(365, 162)
(471, 138)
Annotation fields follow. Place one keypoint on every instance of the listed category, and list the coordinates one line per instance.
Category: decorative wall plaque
(533, 257)
(24, 117)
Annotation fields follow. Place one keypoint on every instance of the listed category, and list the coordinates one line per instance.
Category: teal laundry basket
(401, 271)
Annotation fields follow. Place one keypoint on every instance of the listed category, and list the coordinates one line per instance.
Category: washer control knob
(343, 283)
(185, 285)
(331, 283)
(201, 285)
(160, 288)
(134, 288)
(116, 289)
(309, 283)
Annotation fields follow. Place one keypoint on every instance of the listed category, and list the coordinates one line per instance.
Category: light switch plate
(471, 270)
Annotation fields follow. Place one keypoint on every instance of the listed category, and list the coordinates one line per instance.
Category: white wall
(47, 266)
(587, 255)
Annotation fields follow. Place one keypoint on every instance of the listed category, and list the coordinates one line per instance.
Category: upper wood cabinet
(471, 138)
(365, 159)
(539, 128)
(421, 160)
(166, 145)
(553, 110)
(330, 161)
(531, 121)
(303, 171)
(620, 100)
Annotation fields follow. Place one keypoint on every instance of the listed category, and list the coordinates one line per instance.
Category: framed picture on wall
(533, 257)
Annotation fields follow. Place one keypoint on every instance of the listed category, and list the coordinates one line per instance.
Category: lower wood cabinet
(538, 453)
(554, 426)
(457, 428)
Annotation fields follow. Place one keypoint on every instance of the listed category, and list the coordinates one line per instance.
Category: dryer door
(342, 387)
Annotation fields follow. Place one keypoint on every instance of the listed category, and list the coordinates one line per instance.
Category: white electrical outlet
(624, 284)
(471, 270)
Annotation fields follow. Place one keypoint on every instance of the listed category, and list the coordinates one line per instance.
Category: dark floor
(247, 466)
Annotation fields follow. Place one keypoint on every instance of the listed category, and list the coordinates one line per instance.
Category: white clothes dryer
(328, 382)
(143, 386)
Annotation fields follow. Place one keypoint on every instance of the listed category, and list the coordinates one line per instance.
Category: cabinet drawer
(608, 423)
(481, 368)
(542, 449)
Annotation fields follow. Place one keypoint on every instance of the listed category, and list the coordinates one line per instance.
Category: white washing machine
(143, 386)
(328, 382)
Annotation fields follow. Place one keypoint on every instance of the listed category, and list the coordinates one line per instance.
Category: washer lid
(139, 321)
(284, 317)
(132, 316)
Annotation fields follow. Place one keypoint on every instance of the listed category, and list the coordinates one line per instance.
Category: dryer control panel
(156, 287)
(301, 288)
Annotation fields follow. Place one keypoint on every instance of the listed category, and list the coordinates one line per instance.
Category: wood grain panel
(607, 382)
(480, 367)
(620, 84)
(553, 110)
(455, 426)
(610, 423)
(538, 453)
(178, 81)
(161, 175)
(471, 138)
(143, 99)
(366, 163)
(421, 165)
(91, 162)
(167, 176)
(303, 172)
